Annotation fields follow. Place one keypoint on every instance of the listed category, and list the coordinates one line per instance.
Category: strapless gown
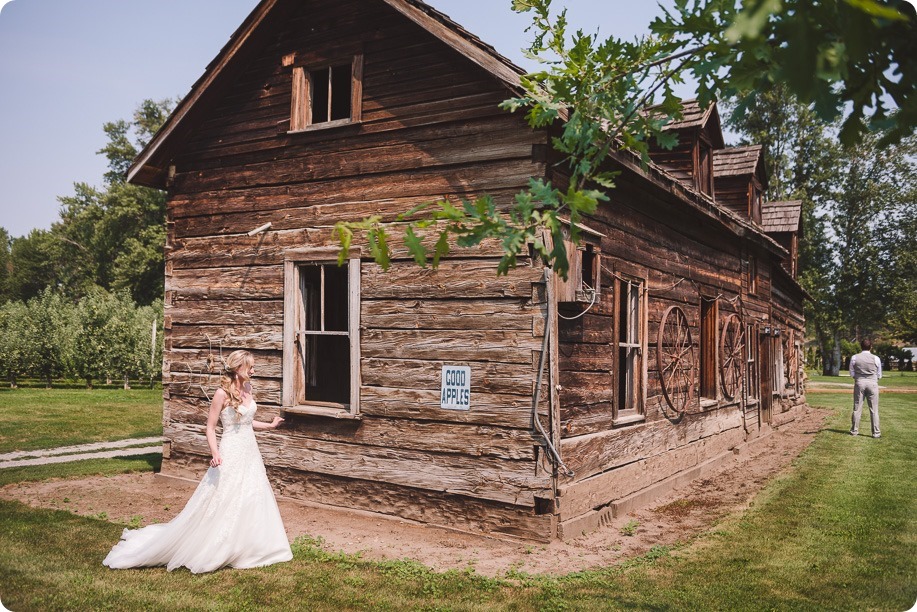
(231, 520)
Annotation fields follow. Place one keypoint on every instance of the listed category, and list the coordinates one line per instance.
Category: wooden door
(765, 367)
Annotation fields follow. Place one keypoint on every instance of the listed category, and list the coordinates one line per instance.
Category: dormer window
(704, 173)
(326, 95)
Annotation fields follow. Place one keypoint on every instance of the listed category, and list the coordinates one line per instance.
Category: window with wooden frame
(321, 343)
(328, 95)
(752, 275)
(708, 347)
(704, 173)
(752, 380)
(630, 323)
(754, 203)
(779, 377)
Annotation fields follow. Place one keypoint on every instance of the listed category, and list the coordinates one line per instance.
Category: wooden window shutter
(301, 112)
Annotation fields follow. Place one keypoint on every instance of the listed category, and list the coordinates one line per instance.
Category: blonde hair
(238, 361)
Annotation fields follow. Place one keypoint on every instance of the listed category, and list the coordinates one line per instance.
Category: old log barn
(674, 343)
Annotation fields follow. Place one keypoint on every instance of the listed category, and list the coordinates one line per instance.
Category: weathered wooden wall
(683, 258)
(430, 128)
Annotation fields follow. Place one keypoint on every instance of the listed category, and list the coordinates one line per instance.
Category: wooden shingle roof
(736, 161)
(697, 118)
(781, 216)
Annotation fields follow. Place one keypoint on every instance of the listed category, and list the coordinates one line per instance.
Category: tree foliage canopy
(853, 56)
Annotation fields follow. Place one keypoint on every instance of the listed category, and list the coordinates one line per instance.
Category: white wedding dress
(232, 518)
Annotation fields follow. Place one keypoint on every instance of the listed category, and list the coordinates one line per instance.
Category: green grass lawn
(892, 379)
(837, 532)
(44, 418)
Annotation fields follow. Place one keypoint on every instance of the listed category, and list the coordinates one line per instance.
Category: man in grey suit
(866, 370)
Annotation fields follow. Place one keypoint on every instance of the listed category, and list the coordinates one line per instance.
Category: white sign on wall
(455, 391)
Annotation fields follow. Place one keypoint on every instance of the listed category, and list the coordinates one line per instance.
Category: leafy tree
(45, 334)
(91, 352)
(899, 263)
(831, 55)
(33, 264)
(877, 187)
(147, 355)
(5, 265)
(14, 354)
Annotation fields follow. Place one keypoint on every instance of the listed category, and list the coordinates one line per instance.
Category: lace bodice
(233, 420)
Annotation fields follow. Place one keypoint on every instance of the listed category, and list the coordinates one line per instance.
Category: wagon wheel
(676, 360)
(732, 346)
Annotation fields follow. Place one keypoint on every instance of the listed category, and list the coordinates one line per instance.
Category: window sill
(706, 402)
(334, 411)
(324, 125)
(628, 419)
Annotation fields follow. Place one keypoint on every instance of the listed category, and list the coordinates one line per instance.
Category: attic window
(327, 96)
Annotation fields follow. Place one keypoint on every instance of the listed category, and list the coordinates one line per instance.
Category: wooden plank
(495, 409)
(454, 277)
(599, 452)
(400, 157)
(426, 374)
(451, 511)
(429, 182)
(259, 337)
(239, 312)
(239, 283)
(456, 438)
(469, 346)
(455, 314)
(201, 360)
(507, 481)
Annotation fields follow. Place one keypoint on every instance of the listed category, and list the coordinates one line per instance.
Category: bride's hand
(276, 422)
(216, 460)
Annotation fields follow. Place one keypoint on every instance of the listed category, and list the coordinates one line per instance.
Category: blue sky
(68, 66)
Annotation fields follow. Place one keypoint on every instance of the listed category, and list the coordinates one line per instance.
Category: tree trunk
(127, 382)
(13, 384)
(48, 381)
(88, 382)
(836, 355)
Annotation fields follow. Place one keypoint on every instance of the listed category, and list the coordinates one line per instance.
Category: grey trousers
(867, 388)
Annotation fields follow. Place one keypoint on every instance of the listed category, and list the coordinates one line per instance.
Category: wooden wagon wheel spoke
(675, 359)
(732, 348)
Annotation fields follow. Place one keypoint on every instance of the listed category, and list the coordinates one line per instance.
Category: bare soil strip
(675, 519)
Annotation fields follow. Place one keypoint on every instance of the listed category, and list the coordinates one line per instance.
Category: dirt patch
(141, 499)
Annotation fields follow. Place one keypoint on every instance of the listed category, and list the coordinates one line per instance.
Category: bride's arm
(272, 425)
(219, 398)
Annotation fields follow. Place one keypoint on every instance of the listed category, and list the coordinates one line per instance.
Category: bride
(232, 518)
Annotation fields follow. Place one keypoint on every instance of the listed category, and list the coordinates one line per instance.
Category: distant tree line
(79, 300)
(102, 337)
(858, 257)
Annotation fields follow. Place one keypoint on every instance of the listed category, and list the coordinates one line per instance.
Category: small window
(630, 314)
(708, 345)
(779, 384)
(704, 174)
(754, 204)
(752, 382)
(327, 96)
(752, 275)
(321, 341)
